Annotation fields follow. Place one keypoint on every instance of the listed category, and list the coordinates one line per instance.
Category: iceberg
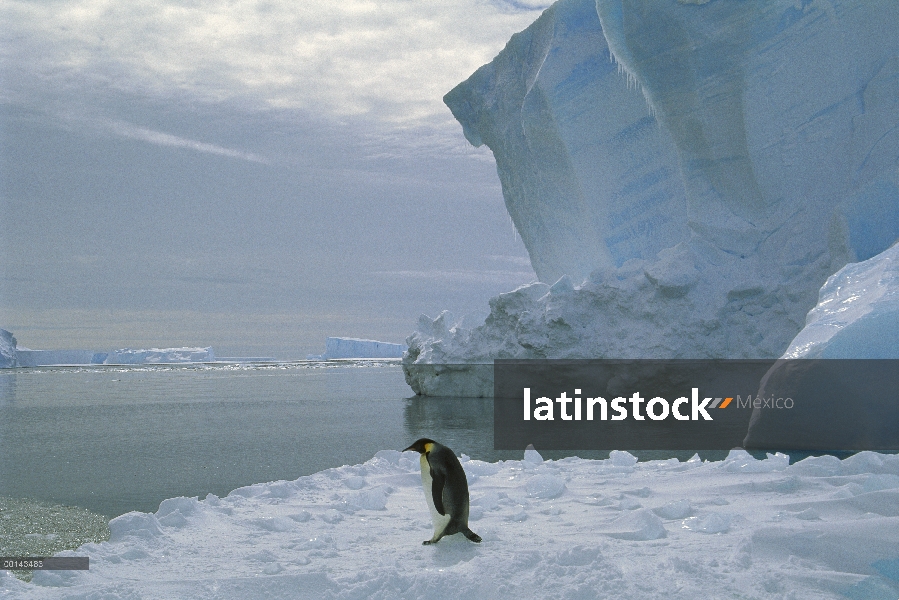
(13, 356)
(46, 358)
(338, 347)
(684, 175)
(129, 356)
(7, 349)
(857, 317)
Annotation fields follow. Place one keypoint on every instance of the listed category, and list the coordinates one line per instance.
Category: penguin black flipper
(437, 481)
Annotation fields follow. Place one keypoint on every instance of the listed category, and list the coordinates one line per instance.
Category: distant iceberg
(339, 347)
(7, 350)
(44, 358)
(685, 176)
(12, 356)
(128, 356)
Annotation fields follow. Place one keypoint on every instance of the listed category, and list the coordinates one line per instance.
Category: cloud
(390, 59)
(465, 276)
(521, 261)
(166, 139)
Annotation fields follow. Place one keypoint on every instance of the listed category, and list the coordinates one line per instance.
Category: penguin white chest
(440, 521)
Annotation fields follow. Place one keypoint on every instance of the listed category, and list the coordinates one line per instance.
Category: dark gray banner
(45, 563)
(813, 405)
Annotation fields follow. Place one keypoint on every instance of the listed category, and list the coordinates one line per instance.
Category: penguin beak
(412, 447)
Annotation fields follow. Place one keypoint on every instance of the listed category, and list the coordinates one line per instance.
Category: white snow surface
(857, 315)
(572, 528)
(685, 175)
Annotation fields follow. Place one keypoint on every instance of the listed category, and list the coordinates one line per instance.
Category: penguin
(446, 490)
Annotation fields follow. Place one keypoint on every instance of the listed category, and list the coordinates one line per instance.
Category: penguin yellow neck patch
(428, 447)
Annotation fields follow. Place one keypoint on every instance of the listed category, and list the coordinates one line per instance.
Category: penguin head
(422, 446)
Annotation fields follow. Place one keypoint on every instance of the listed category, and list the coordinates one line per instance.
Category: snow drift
(572, 528)
(685, 176)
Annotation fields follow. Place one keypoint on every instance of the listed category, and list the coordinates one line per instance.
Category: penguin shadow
(452, 550)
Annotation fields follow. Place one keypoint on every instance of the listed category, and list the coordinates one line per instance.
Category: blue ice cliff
(857, 317)
(685, 176)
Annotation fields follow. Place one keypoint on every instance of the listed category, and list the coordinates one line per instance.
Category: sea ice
(676, 509)
(710, 523)
(637, 525)
(770, 530)
(545, 486)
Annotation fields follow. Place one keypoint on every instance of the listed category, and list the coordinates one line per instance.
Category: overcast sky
(252, 175)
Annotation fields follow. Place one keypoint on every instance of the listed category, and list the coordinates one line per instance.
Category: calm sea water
(116, 439)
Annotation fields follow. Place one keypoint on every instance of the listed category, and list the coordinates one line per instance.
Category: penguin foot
(428, 542)
(472, 536)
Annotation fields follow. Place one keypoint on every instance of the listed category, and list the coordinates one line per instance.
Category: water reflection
(7, 388)
(114, 440)
(463, 424)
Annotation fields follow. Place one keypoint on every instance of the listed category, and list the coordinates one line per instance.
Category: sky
(251, 175)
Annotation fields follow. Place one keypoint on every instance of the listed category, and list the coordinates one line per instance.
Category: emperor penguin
(446, 490)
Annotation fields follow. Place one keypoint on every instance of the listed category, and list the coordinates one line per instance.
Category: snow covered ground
(574, 528)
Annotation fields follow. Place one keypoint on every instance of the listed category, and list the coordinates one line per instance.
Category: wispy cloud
(166, 139)
(391, 59)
